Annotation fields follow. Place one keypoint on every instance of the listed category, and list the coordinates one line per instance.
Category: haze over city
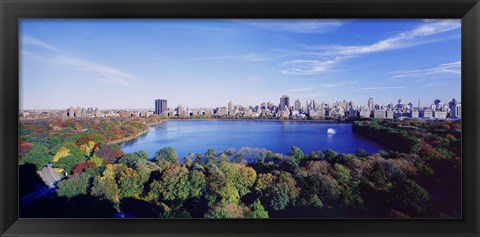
(207, 63)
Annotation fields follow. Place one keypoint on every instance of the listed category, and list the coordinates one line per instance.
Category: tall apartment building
(160, 106)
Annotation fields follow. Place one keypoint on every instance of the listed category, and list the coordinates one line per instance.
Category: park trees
(228, 210)
(62, 152)
(198, 183)
(258, 211)
(131, 160)
(296, 155)
(109, 154)
(175, 184)
(241, 176)
(69, 162)
(277, 189)
(105, 187)
(37, 155)
(75, 185)
(130, 183)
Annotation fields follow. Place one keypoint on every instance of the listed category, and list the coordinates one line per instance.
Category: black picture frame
(12, 10)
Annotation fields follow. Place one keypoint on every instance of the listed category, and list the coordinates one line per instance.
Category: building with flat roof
(160, 106)
(380, 114)
(284, 101)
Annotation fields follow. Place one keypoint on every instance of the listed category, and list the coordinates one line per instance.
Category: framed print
(240, 118)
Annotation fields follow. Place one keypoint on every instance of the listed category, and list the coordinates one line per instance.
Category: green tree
(37, 155)
(131, 159)
(167, 154)
(210, 154)
(315, 201)
(105, 187)
(258, 211)
(228, 210)
(297, 155)
(73, 186)
(330, 155)
(198, 183)
(361, 153)
(239, 175)
(410, 197)
(96, 160)
(316, 155)
(175, 185)
(220, 189)
(69, 162)
(130, 183)
(279, 189)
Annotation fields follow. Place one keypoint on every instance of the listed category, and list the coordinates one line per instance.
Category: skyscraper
(78, 112)
(284, 101)
(371, 105)
(297, 105)
(160, 106)
(71, 112)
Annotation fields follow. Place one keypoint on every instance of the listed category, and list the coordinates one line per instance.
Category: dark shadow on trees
(28, 181)
(140, 208)
(78, 207)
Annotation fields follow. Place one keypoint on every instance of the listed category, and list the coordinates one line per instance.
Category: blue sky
(206, 63)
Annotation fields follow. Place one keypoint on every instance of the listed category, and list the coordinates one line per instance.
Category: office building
(414, 114)
(284, 102)
(371, 105)
(427, 113)
(440, 114)
(160, 106)
(297, 105)
(379, 114)
(389, 114)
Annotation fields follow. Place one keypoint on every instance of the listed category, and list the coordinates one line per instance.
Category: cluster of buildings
(268, 110)
(315, 110)
(437, 110)
(79, 112)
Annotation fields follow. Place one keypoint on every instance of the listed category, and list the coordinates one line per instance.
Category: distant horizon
(226, 105)
(127, 64)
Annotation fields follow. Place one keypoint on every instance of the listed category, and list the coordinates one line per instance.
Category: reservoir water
(198, 136)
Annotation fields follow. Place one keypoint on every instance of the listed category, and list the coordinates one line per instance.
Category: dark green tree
(69, 162)
(297, 155)
(258, 211)
(73, 186)
(167, 154)
(361, 153)
(38, 155)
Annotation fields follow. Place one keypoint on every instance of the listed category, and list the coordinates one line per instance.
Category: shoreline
(275, 120)
(126, 139)
(129, 138)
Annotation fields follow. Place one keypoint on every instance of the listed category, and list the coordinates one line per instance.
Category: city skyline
(206, 63)
(152, 108)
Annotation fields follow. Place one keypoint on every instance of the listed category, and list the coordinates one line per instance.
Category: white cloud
(320, 86)
(446, 68)
(307, 67)
(403, 40)
(328, 55)
(104, 72)
(25, 40)
(434, 84)
(296, 25)
(382, 88)
(98, 71)
(252, 57)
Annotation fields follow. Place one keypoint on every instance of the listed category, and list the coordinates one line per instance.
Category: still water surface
(198, 136)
